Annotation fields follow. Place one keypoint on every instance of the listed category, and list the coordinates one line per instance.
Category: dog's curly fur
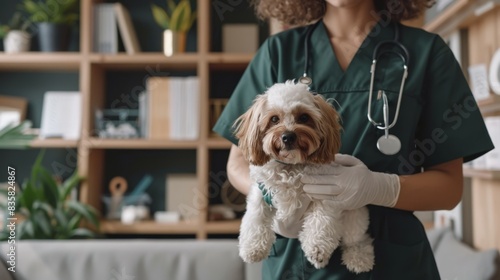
(286, 133)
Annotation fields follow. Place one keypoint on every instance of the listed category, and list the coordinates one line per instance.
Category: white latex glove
(352, 185)
(293, 225)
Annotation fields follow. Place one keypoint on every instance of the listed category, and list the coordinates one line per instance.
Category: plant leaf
(171, 5)
(68, 185)
(30, 6)
(28, 196)
(191, 21)
(26, 230)
(49, 187)
(74, 222)
(36, 168)
(41, 221)
(160, 16)
(186, 17)
(87, 212)
(62, 220)
(42, 206)
(178, 15)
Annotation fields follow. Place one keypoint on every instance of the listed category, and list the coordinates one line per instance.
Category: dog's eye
(303, 118)
(275, 119)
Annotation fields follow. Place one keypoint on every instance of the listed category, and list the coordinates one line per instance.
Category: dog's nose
(288, 137)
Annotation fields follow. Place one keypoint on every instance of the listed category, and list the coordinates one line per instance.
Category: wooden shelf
(40, 61)
(482, 174)
(187, 61)
(98, 143)
(54, 143)
(223, 227)
(227, 61)
(148, 227)
(223, 58)
(218, 143)
(458, 15)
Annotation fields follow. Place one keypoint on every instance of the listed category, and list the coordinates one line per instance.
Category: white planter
(17, 41)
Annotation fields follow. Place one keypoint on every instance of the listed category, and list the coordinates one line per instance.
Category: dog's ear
(249, 131)
(329, 127)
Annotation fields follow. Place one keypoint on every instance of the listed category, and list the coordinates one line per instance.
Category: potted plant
(176, 20)
(45, 211)
(15, 36)
(54, 19)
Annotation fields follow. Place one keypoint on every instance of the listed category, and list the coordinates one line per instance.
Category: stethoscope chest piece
(389, 144)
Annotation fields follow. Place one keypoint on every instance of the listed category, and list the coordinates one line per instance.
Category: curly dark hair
(300, 12)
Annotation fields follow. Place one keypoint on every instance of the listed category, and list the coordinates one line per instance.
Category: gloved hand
(352, 185)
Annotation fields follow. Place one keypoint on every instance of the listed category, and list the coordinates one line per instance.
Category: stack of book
(108, 19)
(170, 108)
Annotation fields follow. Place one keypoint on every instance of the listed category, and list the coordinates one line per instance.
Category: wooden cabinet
(93, 69)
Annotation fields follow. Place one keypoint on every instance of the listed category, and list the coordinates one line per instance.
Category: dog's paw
(253, 256)
(358, 257)
(317, 256)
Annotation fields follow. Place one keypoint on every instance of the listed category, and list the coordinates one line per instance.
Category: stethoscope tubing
(391, 144)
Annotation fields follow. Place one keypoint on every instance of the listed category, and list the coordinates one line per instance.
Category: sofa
(196, 260)
(128, 260)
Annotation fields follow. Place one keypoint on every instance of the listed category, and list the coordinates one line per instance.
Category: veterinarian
(439, 127)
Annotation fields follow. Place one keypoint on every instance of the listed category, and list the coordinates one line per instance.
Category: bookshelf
(92, 72)
(480, 19)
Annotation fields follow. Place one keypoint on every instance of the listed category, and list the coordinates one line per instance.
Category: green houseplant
(44, 211)
(54, 18)
(176, 20)
(15, 34)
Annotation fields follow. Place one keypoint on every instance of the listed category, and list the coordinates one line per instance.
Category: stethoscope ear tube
(306, 79)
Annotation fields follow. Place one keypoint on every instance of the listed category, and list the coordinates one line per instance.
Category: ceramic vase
(17, 41)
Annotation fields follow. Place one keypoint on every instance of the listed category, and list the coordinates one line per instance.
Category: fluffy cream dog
(288, 132)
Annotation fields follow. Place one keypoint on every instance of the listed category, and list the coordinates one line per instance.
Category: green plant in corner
(177, 17)
(44, 210)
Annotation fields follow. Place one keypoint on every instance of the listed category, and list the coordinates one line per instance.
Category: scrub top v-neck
(439, 121)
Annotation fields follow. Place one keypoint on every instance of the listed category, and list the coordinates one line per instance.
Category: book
(192, 112)
(109, 19)
(126, 28)
(105, 29)
(61, 115)
(158, 122)
(173, 108)
(176, 107)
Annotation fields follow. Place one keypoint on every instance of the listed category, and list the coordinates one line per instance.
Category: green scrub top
(439, 121)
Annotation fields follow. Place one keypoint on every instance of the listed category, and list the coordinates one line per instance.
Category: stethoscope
(387, 144)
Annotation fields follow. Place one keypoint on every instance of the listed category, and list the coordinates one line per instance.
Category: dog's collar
(282, 162)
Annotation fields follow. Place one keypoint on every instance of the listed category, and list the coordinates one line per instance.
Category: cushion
(455, 260)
